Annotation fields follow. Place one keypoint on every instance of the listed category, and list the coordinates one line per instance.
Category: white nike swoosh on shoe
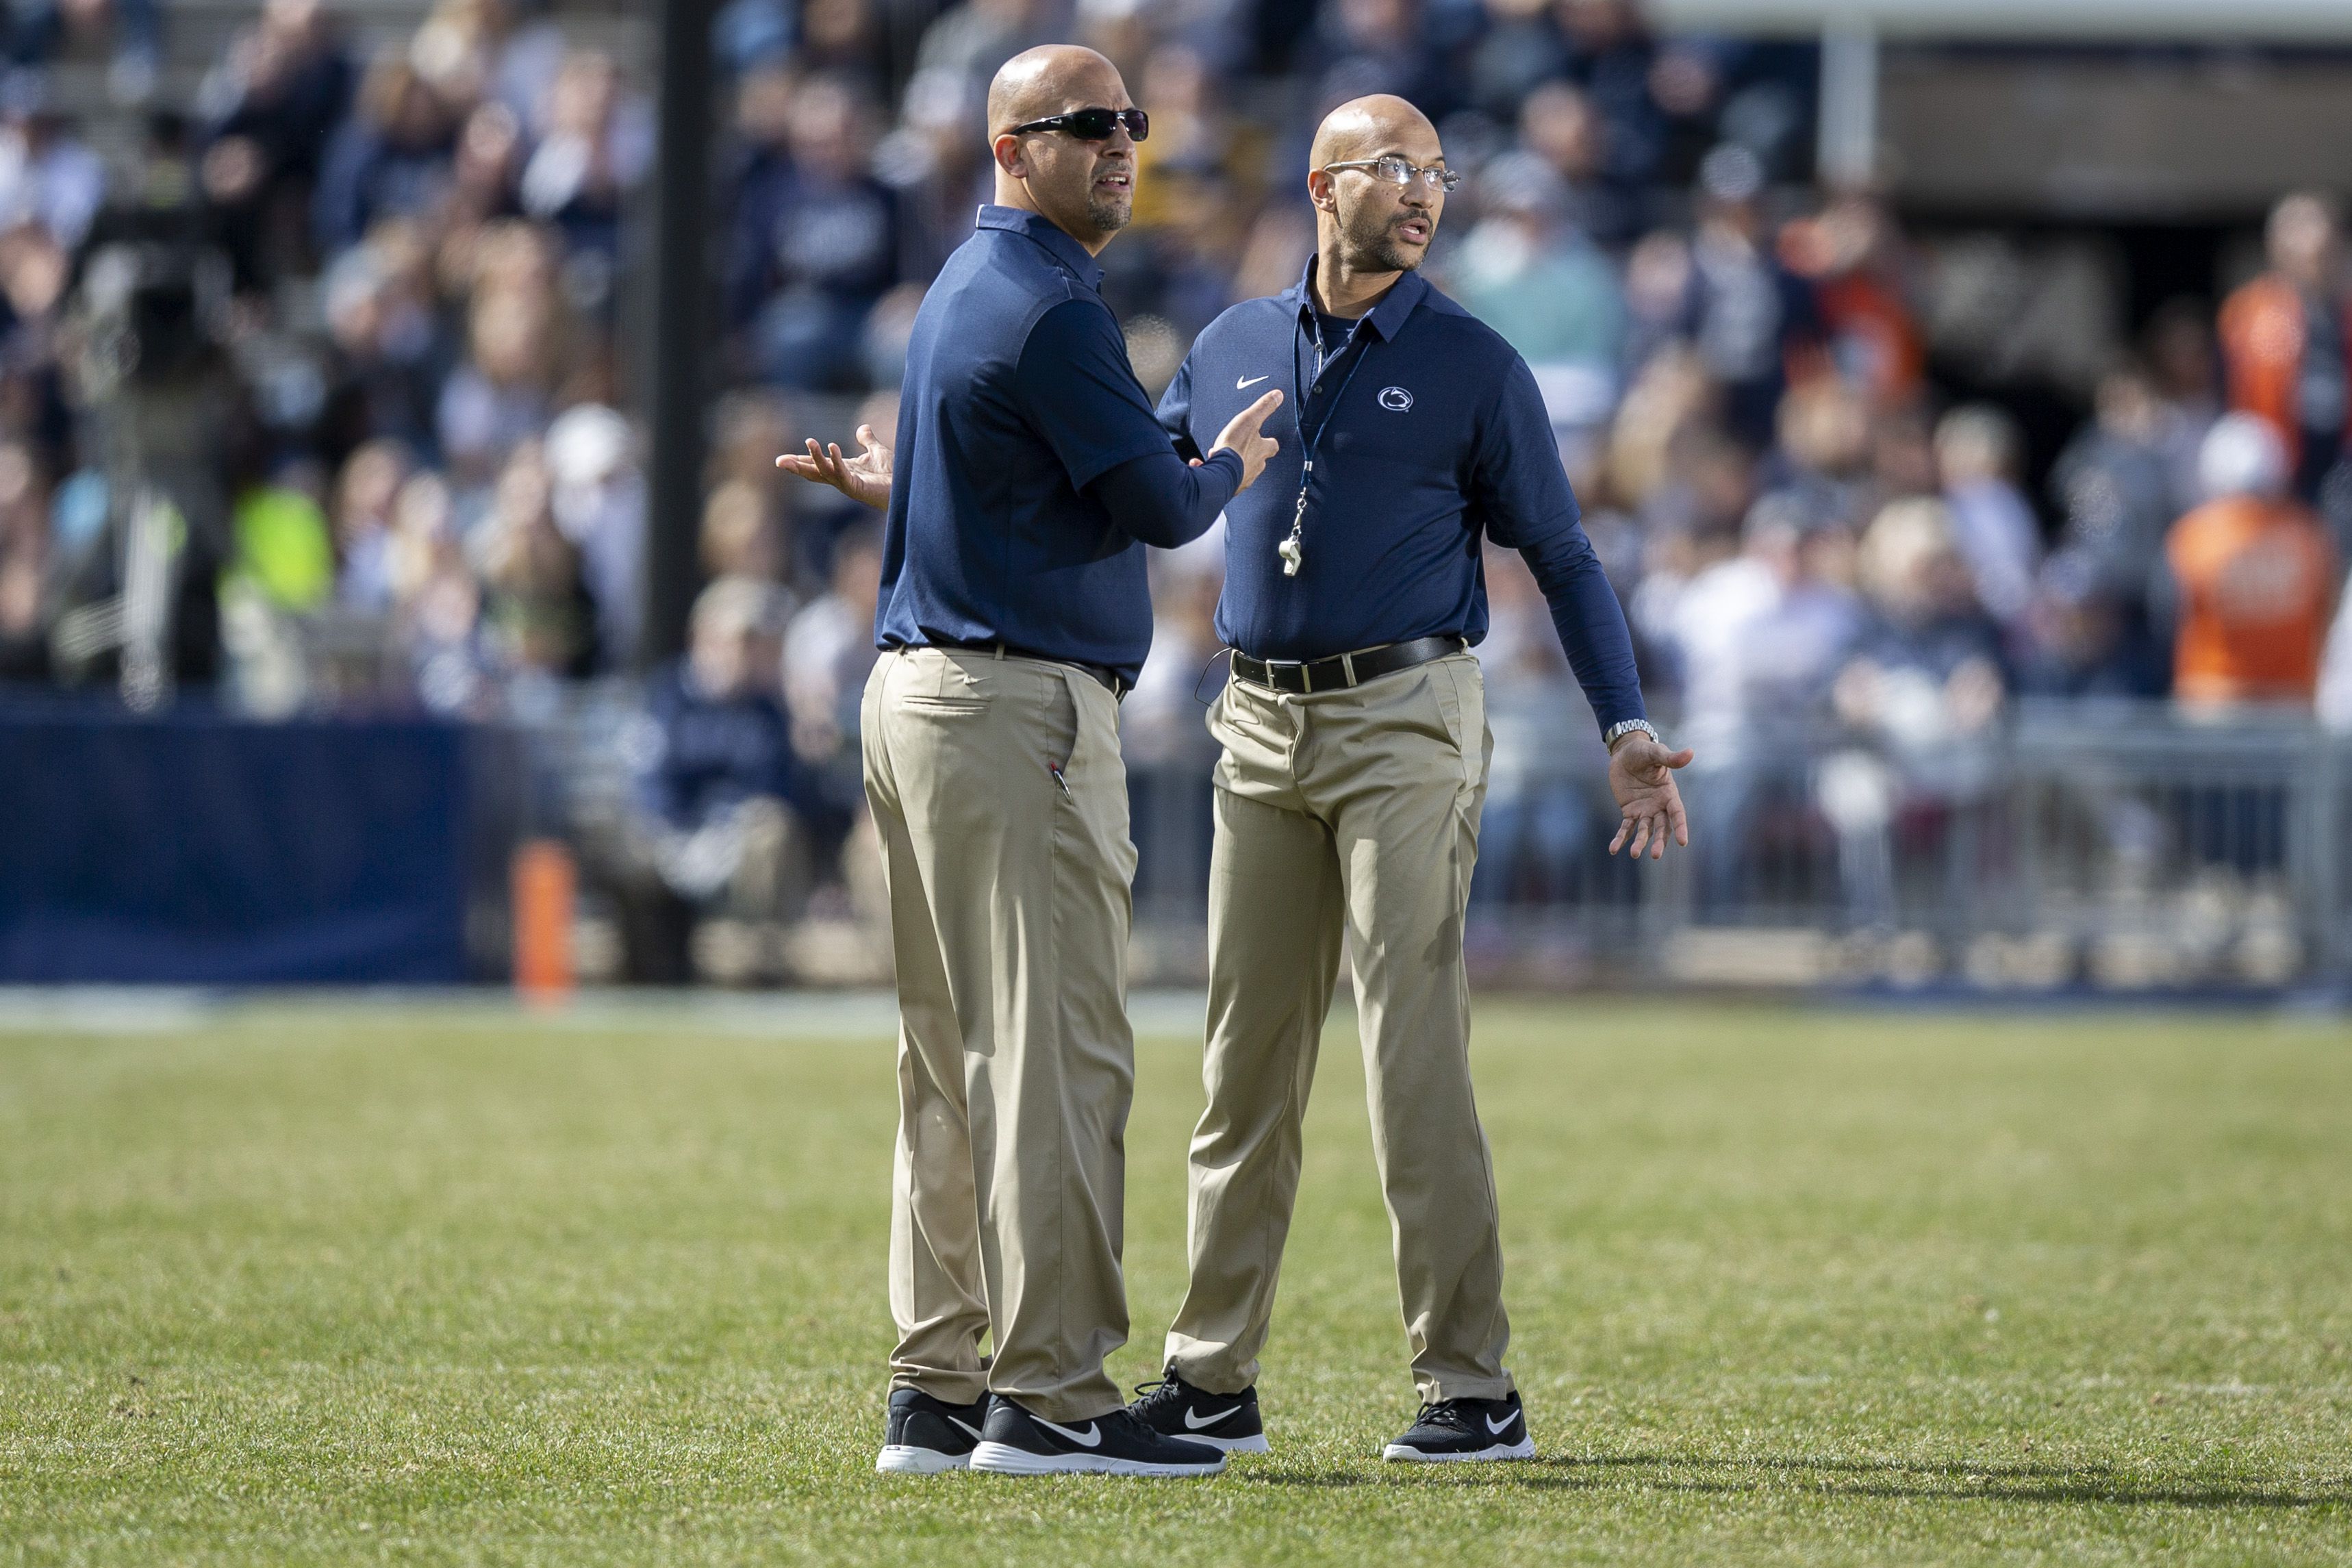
(1192, 1425)
(1496, 1430)
(965, 1426)
(1240, 386)
(1091, 1438)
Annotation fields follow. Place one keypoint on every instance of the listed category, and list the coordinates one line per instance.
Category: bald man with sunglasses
(1030, 471)
(1354, 768)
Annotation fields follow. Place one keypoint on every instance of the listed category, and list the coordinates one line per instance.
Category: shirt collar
(1388, 317)
(1037, 226)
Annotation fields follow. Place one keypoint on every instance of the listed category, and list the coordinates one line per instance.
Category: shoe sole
(1005, 1459)
(1256, 1444)
(1525, 1448)
(905, 1460)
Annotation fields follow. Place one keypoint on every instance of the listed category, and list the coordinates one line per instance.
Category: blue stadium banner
(196, 849)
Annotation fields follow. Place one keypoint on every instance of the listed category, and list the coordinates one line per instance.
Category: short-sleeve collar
(1387, 318)
(1039, 227)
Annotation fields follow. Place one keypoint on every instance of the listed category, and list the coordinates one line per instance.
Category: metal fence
(2096, 847)
(2088, 846)
(2120, 848)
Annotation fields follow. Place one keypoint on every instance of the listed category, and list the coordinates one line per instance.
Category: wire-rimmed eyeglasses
(1397, 171)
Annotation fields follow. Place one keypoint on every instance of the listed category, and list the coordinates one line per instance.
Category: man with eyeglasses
(1354, 767)
(1013, 615)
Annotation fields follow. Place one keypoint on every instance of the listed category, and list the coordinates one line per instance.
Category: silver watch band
(1619, 731)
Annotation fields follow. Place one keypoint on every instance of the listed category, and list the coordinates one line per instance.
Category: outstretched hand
(865, 477)
(1641, 775)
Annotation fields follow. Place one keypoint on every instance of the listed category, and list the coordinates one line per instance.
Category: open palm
(864, 477)
(1641, 777)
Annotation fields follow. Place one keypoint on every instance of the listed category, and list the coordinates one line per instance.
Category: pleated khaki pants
(1351, 812)
(1008, 915)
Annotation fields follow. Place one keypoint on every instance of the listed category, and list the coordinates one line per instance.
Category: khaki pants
(1009, 913)
(1351, 812)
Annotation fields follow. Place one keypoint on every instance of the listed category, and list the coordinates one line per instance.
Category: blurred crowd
(376, 426)
(316, 382)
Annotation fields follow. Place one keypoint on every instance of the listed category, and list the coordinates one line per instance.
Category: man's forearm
(1592, 625)
(1163, 499)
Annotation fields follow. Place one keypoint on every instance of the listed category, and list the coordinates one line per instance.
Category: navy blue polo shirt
(1018, 399)
(1430, 437)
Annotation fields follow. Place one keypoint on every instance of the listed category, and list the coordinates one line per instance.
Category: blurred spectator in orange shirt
(2254, 574)
(2283, 336)
(1853, 255)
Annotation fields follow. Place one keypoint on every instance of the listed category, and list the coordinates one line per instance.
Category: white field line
(784, 1015)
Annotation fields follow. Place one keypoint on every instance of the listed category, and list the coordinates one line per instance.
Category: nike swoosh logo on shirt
(1253, 381)
(1192, 1425)
(967, 1427)
(1091, 1438)
(1496, 1430)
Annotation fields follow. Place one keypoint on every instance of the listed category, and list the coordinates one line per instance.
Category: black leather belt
(1109, 678)
(1347, 669)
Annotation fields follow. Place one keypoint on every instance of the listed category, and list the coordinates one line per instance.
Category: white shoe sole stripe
(905, 1460)
(1256, 1444)
(1525, 1448)
(1005, 1459)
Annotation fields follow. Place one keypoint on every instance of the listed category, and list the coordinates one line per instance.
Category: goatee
(1381, 251)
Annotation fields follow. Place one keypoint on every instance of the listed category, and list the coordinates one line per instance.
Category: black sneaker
(1020, 1444)
(927, 1435)
(1466, 1429)
(1175, 1408)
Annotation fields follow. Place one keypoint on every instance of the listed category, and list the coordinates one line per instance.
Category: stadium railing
(2077, 845)
(2091, 848)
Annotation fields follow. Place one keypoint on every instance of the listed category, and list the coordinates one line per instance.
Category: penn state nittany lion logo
(1395, 399)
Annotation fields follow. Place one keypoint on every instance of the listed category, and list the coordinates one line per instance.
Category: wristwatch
(1619, 731)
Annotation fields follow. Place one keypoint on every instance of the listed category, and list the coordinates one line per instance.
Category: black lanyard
(1292, 549)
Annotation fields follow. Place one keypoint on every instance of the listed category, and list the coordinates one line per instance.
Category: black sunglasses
(1092, 124)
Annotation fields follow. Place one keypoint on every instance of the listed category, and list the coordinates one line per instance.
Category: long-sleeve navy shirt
(1030, 471)
(1430, 437)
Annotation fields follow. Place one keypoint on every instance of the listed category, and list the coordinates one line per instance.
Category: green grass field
(435, 1285)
